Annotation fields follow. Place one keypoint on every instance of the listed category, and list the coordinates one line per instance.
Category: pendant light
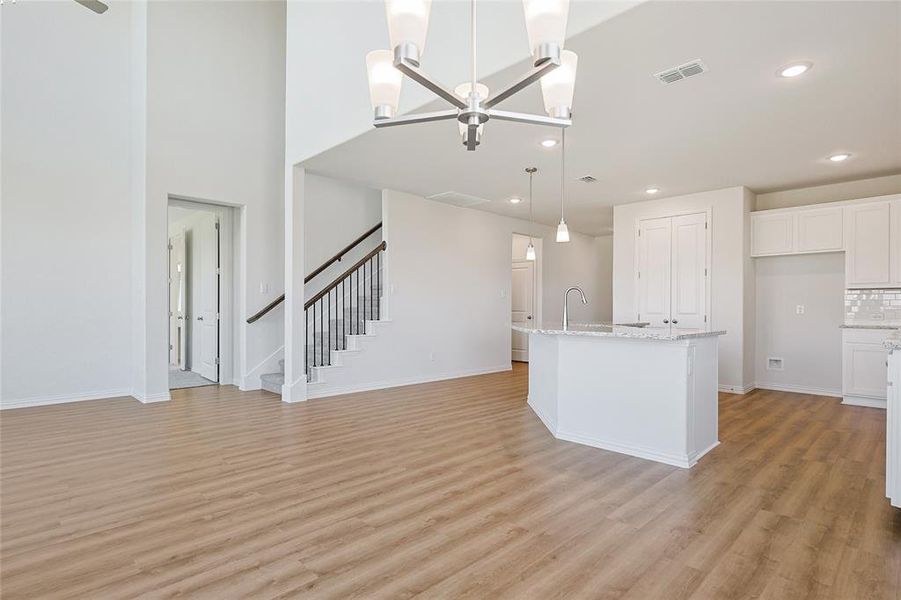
(562, 229)
(530, 251)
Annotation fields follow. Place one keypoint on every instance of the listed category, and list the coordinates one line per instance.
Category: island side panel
(629, 396)
(543, 377)
(703, 412)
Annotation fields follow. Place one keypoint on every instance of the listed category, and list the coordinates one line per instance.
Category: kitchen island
(649, 392)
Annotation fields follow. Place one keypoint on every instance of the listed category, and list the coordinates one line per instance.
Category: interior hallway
(442, 489)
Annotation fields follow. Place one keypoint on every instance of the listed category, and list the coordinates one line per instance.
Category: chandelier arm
(530, 77)
(441, 115)
(518, 117)
(412, 71)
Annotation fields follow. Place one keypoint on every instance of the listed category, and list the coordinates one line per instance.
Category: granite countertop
(626, 331)
(893, 341)
(890, 325)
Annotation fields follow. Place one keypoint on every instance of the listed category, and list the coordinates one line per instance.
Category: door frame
(228, 278)
(537, 284)
(708, 286)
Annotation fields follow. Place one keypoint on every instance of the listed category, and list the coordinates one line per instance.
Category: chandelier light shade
(545, 26)
(408, 23)
(558, 86)
(384, 83)
(562, 231)
(530, 251)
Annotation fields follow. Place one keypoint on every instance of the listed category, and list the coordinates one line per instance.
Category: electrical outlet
(264, 288)
(431, 356)
(799, 309)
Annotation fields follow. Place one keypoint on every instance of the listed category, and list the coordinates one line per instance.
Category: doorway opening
(525, 294)
(199, 304)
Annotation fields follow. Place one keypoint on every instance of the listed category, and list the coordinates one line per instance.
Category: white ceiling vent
(458, 199)
(689, 69)
(587, 179)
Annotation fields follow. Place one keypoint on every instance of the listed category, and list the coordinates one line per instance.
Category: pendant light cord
(562, 169)
(531, 223)
(473, 90)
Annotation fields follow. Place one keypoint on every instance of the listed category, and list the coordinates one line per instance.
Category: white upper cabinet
(819, 230)
(868, 256)
(772, 233)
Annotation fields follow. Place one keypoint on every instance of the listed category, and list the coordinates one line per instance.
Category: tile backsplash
(873, 306)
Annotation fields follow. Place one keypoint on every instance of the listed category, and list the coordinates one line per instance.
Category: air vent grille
(587, 179)
(458, 199)
(674, 74)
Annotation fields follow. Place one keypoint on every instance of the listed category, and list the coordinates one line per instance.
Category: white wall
(834, 192)
(448, 275)
(809, 344)
(66, 248)
(215, 132)
(336, 213)
(730, 242)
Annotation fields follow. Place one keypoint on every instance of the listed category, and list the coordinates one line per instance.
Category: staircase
(338, 319)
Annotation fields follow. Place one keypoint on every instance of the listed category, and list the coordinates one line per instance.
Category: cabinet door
(819, 230)
(654, 270)
(868, 252)
(896, 242)
(772, 233)
(865, 372)
(689, 265)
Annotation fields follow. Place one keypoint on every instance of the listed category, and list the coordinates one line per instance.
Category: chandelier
(473, 105)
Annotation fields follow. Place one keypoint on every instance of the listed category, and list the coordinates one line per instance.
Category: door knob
(675, 321)
(200, 318)
(529, 317)
(666, 320)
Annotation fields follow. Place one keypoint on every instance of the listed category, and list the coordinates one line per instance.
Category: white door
(654, 270)
(177, 312)
(522, 303)
(206, 324)
(688, 304)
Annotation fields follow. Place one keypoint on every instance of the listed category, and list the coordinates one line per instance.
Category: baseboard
(312, 392)
(552, 427)
(251, 380)
(295, 392)
(675, 460)
(800, 389)
(151, 398)
(864, 401)
(63, 399)
(736, 389)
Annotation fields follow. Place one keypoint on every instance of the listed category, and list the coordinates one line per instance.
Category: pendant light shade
(530, 251)
(408, 22)
(558, 86)
(545, 23)
(384, 83)
(562, 231)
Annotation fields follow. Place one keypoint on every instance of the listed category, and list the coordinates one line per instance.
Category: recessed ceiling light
(515, 200)
(549, 143)
(652, 190)
(840, 157)
(795, 69)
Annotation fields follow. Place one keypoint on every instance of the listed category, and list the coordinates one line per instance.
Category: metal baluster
(378, 273)
(371, 312)
(306, 320)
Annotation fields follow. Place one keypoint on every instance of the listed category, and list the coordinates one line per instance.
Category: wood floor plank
(445, 490)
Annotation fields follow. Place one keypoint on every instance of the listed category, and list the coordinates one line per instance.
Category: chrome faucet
(566, 301)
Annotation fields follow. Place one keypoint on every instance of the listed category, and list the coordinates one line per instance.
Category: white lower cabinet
(893, 430)
(864, 375)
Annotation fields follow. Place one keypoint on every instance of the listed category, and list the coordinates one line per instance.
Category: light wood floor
(444, 490)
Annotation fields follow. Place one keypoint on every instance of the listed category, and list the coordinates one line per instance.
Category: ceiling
(737, 124)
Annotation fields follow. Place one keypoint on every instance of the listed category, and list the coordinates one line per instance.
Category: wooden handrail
(336, 258)
(339, 278)
(341, 253)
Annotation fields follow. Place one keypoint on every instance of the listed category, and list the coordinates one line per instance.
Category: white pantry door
(672, 271)
(522, 302)
(177, 288)
(689, 263)
(654, 270)
(206, 324)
